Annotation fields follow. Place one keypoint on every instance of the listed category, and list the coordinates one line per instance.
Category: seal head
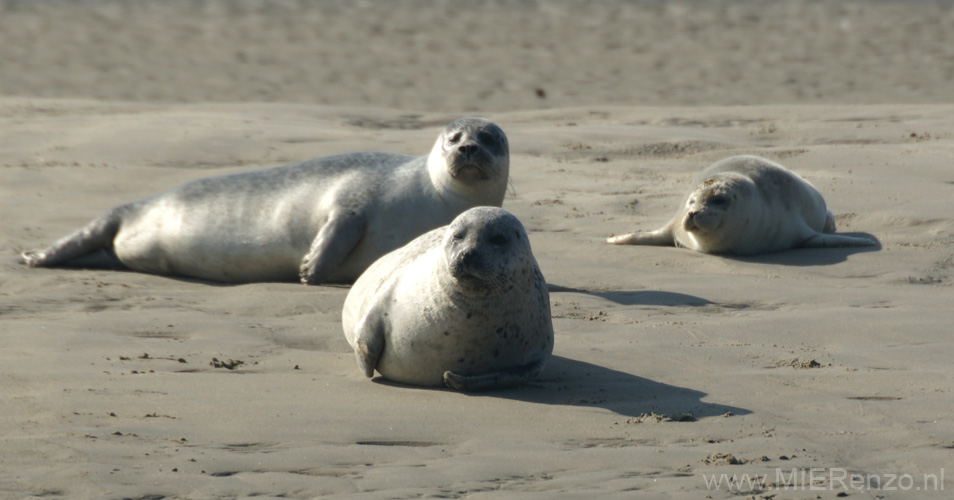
(482, 250)
(716, 212)
(469, 154)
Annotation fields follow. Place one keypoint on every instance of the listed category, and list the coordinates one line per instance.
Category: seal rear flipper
(828, 240)
(495, 380)
(333, 243)
(89, 241)
(104, 258)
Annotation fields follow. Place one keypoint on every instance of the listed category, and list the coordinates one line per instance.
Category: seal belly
(440, 333)
(238, 239)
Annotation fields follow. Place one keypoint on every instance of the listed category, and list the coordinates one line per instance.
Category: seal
(320, 221)
(464, 306)
(747, 205)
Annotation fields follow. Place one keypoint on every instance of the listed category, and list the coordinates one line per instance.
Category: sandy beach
(804, 374)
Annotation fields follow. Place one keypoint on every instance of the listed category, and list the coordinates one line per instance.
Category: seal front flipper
(660, 237)
(335, 240)
(369, 342)
(495, 380)
(95, 236)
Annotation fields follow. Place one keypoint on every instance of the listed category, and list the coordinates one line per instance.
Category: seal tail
(495, 380)
(90, 246)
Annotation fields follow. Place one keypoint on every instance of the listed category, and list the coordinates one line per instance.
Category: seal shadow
(637, 297)
(569, 382)
(806, 257)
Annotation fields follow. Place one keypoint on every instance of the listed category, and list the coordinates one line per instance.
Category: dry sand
(670, 367)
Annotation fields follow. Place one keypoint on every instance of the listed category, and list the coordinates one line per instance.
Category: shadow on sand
(568, 382)
(638, 297)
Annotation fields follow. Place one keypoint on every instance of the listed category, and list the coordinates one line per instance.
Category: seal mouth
(471, 280)
(476, 281)
(470, 169)
(689, 224)
(467, 274)
(474, 285)
(702, 222)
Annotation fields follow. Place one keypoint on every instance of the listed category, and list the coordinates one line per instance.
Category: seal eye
(498, 240)
(718, 200)
(458, 236)
(485, 138)
(454, 139)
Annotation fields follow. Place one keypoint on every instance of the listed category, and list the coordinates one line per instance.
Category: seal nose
(469, 258)
(468, 149)
(690, 222)
(467, 264)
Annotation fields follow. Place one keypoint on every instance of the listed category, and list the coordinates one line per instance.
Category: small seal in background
(747, 205)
